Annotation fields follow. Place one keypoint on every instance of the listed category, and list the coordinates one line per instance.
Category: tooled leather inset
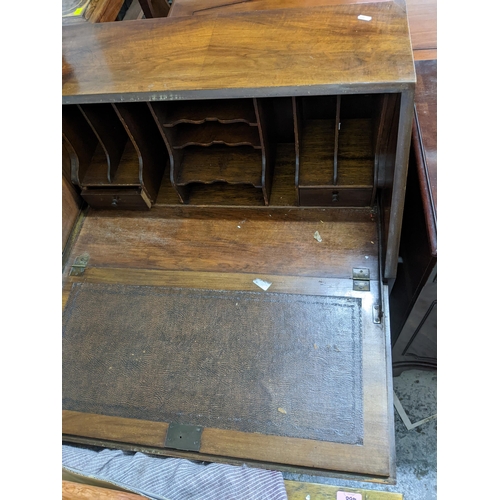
(280, 364)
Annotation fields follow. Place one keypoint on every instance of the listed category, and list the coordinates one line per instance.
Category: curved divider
(151, 152)
(215, 141)
(80, 140)
(109, 131)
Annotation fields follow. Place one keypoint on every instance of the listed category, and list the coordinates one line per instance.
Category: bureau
(226, 291)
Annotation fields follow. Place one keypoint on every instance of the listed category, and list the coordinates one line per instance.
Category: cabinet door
(416, 345)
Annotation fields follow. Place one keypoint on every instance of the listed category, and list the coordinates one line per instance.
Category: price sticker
(343, 495)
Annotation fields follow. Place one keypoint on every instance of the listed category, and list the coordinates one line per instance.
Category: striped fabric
(161, 478)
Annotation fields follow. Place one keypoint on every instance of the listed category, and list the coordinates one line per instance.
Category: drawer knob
(335, 196)
(114, 201)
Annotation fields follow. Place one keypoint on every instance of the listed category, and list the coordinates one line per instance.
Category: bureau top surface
(304, 51)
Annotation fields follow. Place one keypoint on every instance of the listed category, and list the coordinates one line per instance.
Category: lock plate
(184, 437)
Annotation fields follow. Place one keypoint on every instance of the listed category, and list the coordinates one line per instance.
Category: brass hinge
(78, 268)
(361, 279)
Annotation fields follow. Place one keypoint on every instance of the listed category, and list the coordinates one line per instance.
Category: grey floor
(416, 449)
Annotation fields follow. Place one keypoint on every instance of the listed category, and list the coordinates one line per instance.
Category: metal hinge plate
(361, 279)
(184, 437)
(78, 268)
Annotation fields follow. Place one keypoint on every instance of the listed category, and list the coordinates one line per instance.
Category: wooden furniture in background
(422, 18)
(154, 8)
(73, 11)
(94, 11)
(414, 296)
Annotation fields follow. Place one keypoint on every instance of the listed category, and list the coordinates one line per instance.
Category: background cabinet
(414, 295)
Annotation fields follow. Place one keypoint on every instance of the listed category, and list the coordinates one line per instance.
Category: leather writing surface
(277, 364)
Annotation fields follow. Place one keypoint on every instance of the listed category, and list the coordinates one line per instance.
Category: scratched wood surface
(263, 53)
(232, 240)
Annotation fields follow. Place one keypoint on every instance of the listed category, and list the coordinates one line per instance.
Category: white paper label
(262, 284)
(364, 18)
(342, 495)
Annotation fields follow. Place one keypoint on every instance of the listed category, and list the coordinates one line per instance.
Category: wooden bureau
(215, 151)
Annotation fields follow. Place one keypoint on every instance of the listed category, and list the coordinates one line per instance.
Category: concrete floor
(416, 449)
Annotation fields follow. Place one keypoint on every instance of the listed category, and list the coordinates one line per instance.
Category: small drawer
(335, 196)
(124, 198)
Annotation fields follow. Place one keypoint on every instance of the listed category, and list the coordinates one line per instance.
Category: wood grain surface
(198, 112)
(103, 11)
(296, 490)
(215, 7)
(111, 135)
(283, 192)
(127, 430)
(71, 204)
(240, 55)
(425, 141)
(71, 200)
(78, 491)
(210, 240)
(422, 17)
